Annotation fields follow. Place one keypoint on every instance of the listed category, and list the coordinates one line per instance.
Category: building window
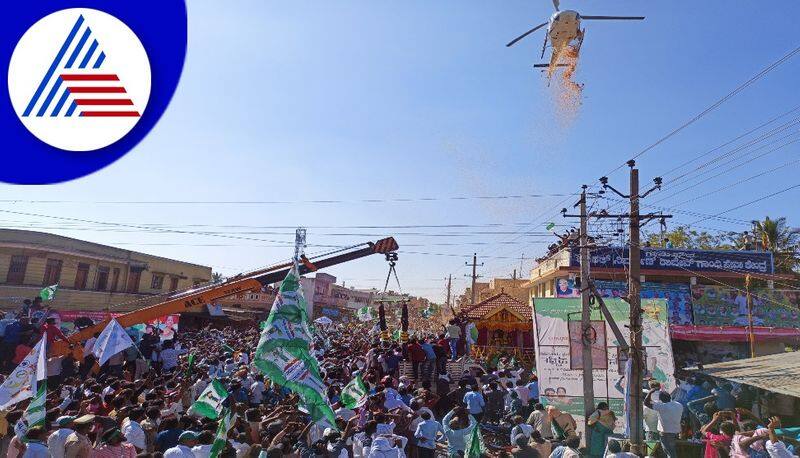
(114, 279)
(133, 281)
(52, 272)
(173, 283)
(82, 276)
(102, 278)
(16, 271)
(158, 282)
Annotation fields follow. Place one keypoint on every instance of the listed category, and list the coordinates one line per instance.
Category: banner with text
(562, 386)
(759, 262)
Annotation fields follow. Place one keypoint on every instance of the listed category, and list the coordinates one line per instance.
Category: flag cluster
(354, 394)
(284, 350)
(364, 313)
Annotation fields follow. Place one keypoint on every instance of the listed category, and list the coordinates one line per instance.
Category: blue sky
(352, 100)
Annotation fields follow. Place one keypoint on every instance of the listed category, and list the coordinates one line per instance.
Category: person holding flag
(283, 353)
(52, 331)
(35, 413)
(111, 341)
(458, 426)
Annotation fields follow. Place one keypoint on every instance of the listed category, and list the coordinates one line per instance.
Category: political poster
(562, 386)
(167, 325)
(565, 287)
(677, 295)
(723, 306)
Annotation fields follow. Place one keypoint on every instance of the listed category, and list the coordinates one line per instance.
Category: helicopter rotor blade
(512, 42)
(612, 18)
(544, 45)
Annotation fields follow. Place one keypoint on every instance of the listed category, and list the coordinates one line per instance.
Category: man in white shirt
(56, 440)
(35, 443)
(257, 391)
(206, 442)
(169, 358)
(775, 447)
(386, 447)
(669, 420)
(520, 429)
(186, 441)
(651, 416)
(133, 431)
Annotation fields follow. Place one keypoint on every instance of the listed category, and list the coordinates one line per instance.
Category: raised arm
(711, 424)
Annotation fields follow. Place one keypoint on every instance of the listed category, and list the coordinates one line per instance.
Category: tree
(217, 277)
(684, 237)
(776, 236)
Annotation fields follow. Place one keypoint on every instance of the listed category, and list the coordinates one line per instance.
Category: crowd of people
(139, 403)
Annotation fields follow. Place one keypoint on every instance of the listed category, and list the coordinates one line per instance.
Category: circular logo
(79, 79)
(65, 117)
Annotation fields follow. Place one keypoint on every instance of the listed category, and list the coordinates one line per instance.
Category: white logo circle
(79, 79)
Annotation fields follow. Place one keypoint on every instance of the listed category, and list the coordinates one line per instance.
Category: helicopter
(564, 32)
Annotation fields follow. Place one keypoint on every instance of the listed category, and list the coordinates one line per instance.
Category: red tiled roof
(494, 303)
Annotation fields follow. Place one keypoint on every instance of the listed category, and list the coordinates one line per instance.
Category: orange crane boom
(198, 297)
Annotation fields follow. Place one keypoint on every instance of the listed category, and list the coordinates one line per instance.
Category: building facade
(90, 276)
(705, 291)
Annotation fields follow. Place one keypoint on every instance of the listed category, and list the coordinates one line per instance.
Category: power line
(283, 202)
(759, 127)
(714, 105)
(734, 159)
(737, 183)
(753, 201)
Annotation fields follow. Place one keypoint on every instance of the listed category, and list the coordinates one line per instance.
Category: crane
(195, 298)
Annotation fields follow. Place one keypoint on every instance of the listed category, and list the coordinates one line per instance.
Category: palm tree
(217, 277)
(776, 236)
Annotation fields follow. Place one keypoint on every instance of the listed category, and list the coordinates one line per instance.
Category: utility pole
(751, 335)
(636, 353)
(474, 273)
(586, 323)
(588, 337)
(635, 300)
(449, 281)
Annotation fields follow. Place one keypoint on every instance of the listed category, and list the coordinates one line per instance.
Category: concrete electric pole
(587, 336)
(586, 320)
(635, 300)
(474, 273)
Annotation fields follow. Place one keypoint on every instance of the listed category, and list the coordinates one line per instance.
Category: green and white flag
(225, 423)
(475, 447)
(396, 335)
(35, 413)
(364, 313)
(209, 403)
(283, 353)
(48, 293)
(21, 383)
(472, 333)
(354, 394)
